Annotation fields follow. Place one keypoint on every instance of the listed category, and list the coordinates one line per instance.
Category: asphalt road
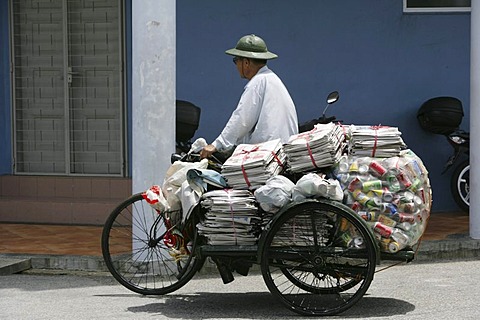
(447, 290)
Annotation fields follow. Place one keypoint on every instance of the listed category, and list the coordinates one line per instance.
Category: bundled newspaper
(231, 217)
(392, 194)
(375, 141)
(318, 148)
(251, 165)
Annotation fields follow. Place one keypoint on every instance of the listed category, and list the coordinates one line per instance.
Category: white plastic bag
(175, 176)
(276, 193)
(312, 185)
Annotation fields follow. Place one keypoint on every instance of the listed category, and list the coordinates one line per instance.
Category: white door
(68, 86)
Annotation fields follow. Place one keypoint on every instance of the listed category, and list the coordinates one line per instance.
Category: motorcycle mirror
(333, 97)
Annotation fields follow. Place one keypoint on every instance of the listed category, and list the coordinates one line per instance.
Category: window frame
(439, 9)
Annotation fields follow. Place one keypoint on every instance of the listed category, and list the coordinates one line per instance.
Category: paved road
(447, 290)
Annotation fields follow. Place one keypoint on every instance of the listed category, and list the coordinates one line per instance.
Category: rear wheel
(318, 258)
(145, 252)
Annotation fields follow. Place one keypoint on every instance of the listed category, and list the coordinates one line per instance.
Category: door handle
(70, 73)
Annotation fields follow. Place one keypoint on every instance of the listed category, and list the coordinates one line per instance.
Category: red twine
(247, 152)
(376, 128)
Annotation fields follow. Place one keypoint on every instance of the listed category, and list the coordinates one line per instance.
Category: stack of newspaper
(318, 148)
(375, 141)
(251, 165)
(231, 217)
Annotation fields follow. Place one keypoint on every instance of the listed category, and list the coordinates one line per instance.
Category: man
(265, 110)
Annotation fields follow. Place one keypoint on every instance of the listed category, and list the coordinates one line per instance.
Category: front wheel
(145, 253)
(460, 185)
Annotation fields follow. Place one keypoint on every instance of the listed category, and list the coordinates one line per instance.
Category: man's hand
(207, 151)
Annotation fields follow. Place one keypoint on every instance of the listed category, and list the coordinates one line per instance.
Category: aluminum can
(360, 197)
(354, 184)
(417, 200)
(416, 184)
(387, 195)
(388, 208)
(393, 184)
(377, 168)
(347, 238)
(382, 229)
(406, 197)
(374, 202)
(368, 215)
(386, 221)
(400, 237)
(408, 207)
(372, 185)
(356, 206)
(390, 246)
(414, 168)
(404, 217)
(358, 242)
(383, 194)
(403, 179)
(393, 247)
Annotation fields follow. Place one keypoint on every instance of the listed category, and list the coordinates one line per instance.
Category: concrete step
(13, 265)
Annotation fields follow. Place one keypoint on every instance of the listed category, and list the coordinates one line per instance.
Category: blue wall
(5, 117)
(383, 62)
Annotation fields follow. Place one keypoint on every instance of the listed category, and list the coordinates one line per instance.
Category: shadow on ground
(257, 305)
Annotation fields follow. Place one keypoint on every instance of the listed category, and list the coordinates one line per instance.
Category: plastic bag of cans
(392, 194)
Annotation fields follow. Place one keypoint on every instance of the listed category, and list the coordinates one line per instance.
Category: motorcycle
(307, 126)
(443, 115)
(459, 183)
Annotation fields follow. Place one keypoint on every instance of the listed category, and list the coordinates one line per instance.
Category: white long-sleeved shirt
(265, 112)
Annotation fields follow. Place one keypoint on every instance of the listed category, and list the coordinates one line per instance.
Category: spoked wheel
(460, 185)
(318, 258)
(145, 252)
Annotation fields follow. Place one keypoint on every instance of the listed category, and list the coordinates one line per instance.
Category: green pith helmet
(252, 47)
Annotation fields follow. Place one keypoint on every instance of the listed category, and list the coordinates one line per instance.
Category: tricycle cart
(318, 257)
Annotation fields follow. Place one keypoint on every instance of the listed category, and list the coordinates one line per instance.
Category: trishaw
(307, 259)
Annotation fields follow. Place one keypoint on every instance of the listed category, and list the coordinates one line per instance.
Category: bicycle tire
(143, 266)
(329, 268)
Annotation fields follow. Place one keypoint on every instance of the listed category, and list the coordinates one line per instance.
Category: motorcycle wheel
(460, 185)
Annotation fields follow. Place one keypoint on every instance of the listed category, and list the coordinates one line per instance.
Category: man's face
(240, 63)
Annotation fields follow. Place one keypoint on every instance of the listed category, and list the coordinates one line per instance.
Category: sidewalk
(78, 247)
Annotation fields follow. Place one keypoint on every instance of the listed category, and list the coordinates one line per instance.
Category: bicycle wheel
(144, 253)
(318, 258)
